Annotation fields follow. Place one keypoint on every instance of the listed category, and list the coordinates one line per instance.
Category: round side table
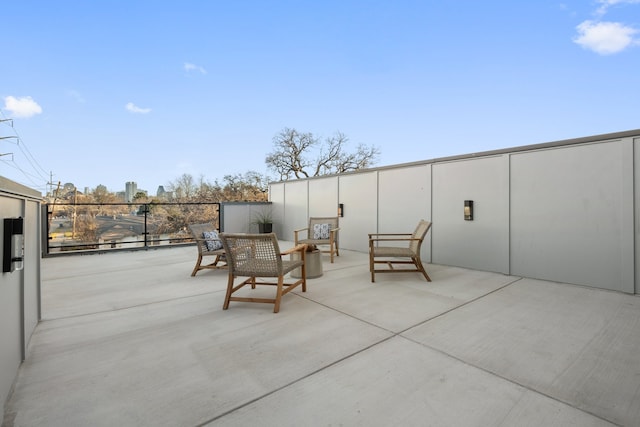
(313, 262)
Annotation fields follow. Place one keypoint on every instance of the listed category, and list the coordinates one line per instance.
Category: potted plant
(264, 220)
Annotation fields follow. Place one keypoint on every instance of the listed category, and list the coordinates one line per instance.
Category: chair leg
(276, 307)
(334, 250)
(372, 268)
(418, 263)
(197, 267)
(227, 298)
(304, 272)
(371, 263)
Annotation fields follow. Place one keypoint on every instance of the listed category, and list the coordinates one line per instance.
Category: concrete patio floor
(130, 339)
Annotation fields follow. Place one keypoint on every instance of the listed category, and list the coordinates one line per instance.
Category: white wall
(358, 193)
(483, 243)
(240, 217)
(572, 215)
(636, 197)
(19, 290)
(296, 208)
(404, 198)
(562, 211)
(323, 197)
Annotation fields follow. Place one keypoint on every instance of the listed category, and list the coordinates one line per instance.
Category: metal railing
(83, 227)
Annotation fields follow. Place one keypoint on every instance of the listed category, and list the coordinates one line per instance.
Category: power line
(38, 174)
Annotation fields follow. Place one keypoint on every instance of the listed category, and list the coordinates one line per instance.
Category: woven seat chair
(321, 231)
(401, 248)
(197, 231)
(258, 257)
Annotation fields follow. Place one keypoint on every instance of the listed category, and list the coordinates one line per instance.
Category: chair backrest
(252, 254)
(419, 233)
(331, 220)
(197, 231)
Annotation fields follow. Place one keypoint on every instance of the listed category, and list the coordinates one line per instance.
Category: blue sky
(125, 90)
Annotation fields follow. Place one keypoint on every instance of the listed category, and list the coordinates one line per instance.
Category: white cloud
(606, 4)
(131, 107)
(193, 67)
(23, 107)
(605, 38)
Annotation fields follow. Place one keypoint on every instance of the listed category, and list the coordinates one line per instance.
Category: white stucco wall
(483, 243)
(572, 215)
(358, 194)
(562, 211)
(404, 198)
(19, 290)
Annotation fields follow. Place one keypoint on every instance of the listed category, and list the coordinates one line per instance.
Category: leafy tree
(293, 155)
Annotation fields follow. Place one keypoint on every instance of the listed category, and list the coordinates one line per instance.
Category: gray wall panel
(297, 196)
(32, 251)
(484, 242)
(10, 311)
(404, 199)
(237, 218)
(636, 209)
(568, 215)
(19, 290)
(323, 196)
(277, 209)
(358, 193)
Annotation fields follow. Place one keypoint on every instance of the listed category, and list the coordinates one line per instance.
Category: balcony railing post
(146, 212)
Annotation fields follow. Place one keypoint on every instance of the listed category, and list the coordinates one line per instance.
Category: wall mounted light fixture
(468, 210)
(13, 255)
(340, 210)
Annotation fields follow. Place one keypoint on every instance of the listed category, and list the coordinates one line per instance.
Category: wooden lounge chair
(258, 257)
(321, 231)
(406, 250)
(210, 249)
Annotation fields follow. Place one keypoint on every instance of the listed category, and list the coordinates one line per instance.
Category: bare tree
(292, 156)
(252, 186)
(184, 187)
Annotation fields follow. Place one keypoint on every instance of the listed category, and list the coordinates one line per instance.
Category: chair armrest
(298, 248)
(295, 234)
(392, 236)
(400, 239)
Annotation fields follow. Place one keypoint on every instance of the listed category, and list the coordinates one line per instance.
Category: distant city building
(130, 190)
(161, 194)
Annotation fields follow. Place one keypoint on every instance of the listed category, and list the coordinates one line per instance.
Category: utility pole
(50, 183)
(6, 137)
(53, 205)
